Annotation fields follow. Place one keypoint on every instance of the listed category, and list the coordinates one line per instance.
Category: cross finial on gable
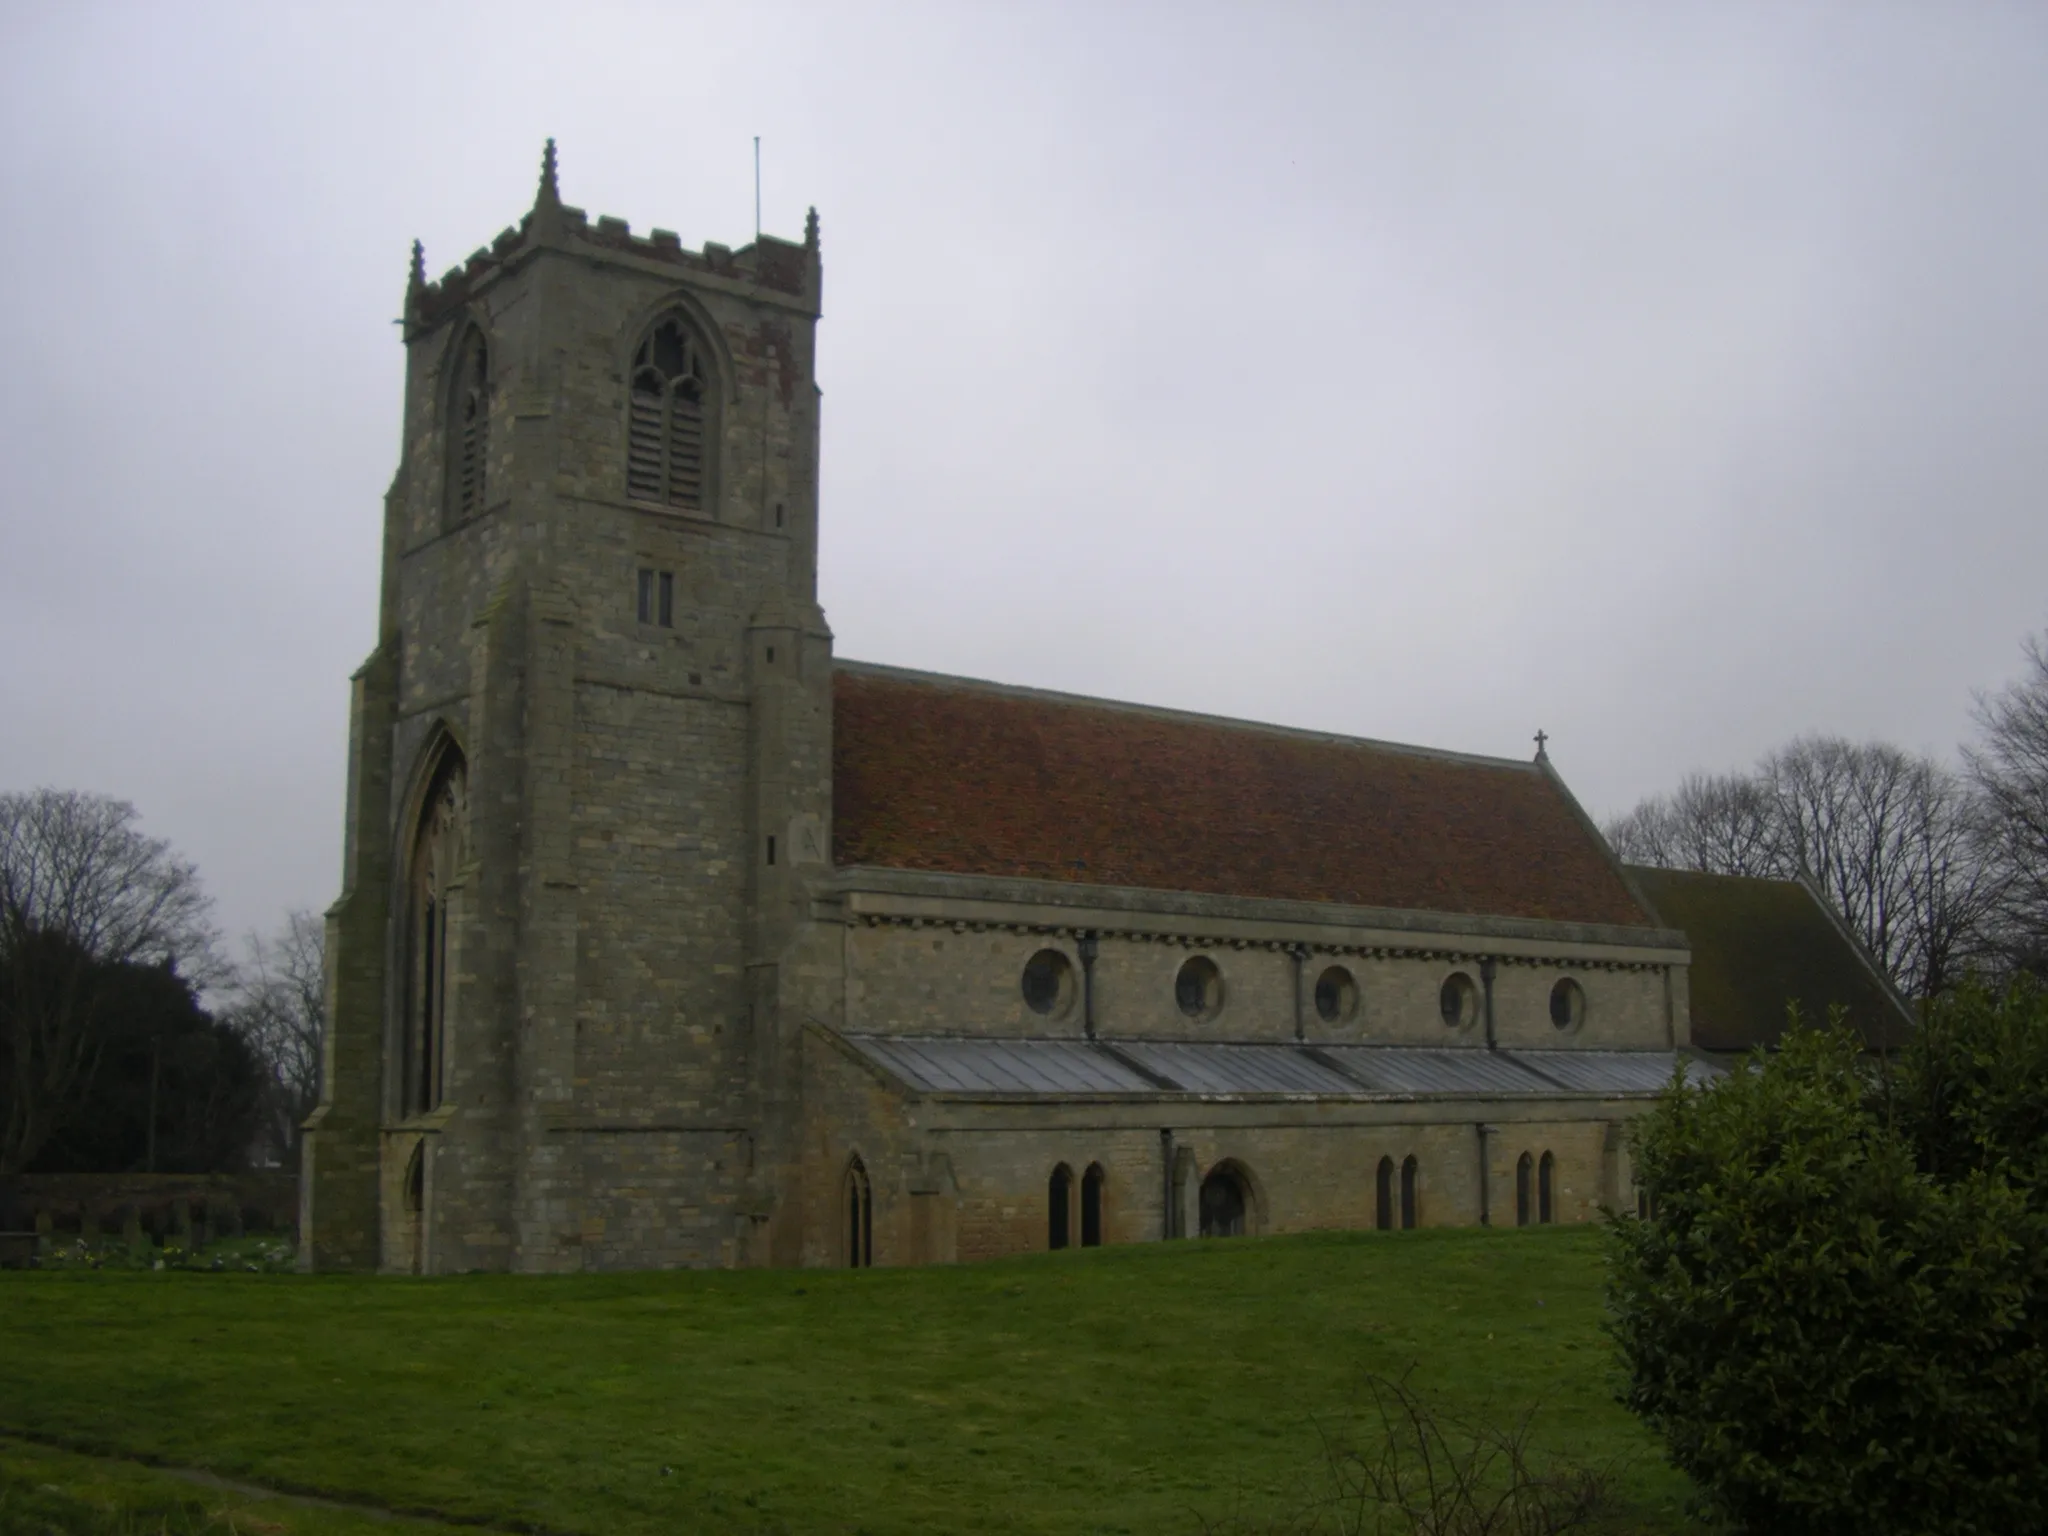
(1542, 736)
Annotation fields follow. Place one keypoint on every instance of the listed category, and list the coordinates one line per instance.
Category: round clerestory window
(1458, 1001)
(1567, 1004)
(1049, 983)
(1336, 995)
(1198, 989)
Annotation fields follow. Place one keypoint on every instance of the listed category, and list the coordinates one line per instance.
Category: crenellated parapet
(770, 265)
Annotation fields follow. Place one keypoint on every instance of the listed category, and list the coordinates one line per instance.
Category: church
(668, 938)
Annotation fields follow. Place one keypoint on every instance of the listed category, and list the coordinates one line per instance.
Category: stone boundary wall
(188, 1206)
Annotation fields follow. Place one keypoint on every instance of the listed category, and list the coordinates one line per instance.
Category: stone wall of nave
(967, 979)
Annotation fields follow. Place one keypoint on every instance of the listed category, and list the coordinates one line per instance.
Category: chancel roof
(960, 777)
(1758, 945)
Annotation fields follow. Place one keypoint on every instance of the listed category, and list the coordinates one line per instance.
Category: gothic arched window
(469, 428)
(860, 1217)
(1059, 1206)
(1383, 1197)
(1546, 1182)
(1091, 1206)
(436, 857)
(666, 436)
(1524, 1167)
(1411, 1177)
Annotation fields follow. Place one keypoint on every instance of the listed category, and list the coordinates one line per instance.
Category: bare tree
(1727, 822)
(1724, 824)
(1889, 839)
(1841, 815)
(2010, 771)
(80, 889)
(1646, 834)
(280, 1007)
(1952, 893)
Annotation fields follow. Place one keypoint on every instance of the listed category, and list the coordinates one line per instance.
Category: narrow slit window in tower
(469, 429)
(654, 594)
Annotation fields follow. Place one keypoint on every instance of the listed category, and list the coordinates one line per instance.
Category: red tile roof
(945, 774)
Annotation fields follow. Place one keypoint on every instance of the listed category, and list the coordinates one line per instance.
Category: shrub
(1404, 1466)
(1835, 1314)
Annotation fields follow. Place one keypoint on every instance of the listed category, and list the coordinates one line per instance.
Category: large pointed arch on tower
(431, 866)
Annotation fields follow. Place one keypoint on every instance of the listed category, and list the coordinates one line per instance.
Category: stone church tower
(589, 764)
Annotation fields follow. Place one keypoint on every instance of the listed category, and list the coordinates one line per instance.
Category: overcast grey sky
(1670, 377)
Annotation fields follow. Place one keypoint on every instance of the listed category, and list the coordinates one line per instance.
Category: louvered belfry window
(470, 429)
(665, 447)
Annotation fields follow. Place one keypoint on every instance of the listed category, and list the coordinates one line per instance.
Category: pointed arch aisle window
(469, 428)
(436, 857)
(860, 1217)
(1383, 1197)
(1091, 1206)
(665, 444)
(1059, 1205)
(1546, 1187)
(1411, 1175)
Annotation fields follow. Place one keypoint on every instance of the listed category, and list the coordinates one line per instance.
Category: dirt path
(363, 1509)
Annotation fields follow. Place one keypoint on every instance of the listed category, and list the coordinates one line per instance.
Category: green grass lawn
(1141, 1389)
(44, 1491)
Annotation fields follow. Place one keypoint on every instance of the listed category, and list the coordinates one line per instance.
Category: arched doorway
(1226, 1201)
(413, 1203)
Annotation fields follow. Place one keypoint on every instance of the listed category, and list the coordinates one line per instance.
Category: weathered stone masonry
(666, 939)
(611, 990)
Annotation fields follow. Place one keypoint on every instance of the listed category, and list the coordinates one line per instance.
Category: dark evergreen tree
(168, 1088)
(1836, 1314)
